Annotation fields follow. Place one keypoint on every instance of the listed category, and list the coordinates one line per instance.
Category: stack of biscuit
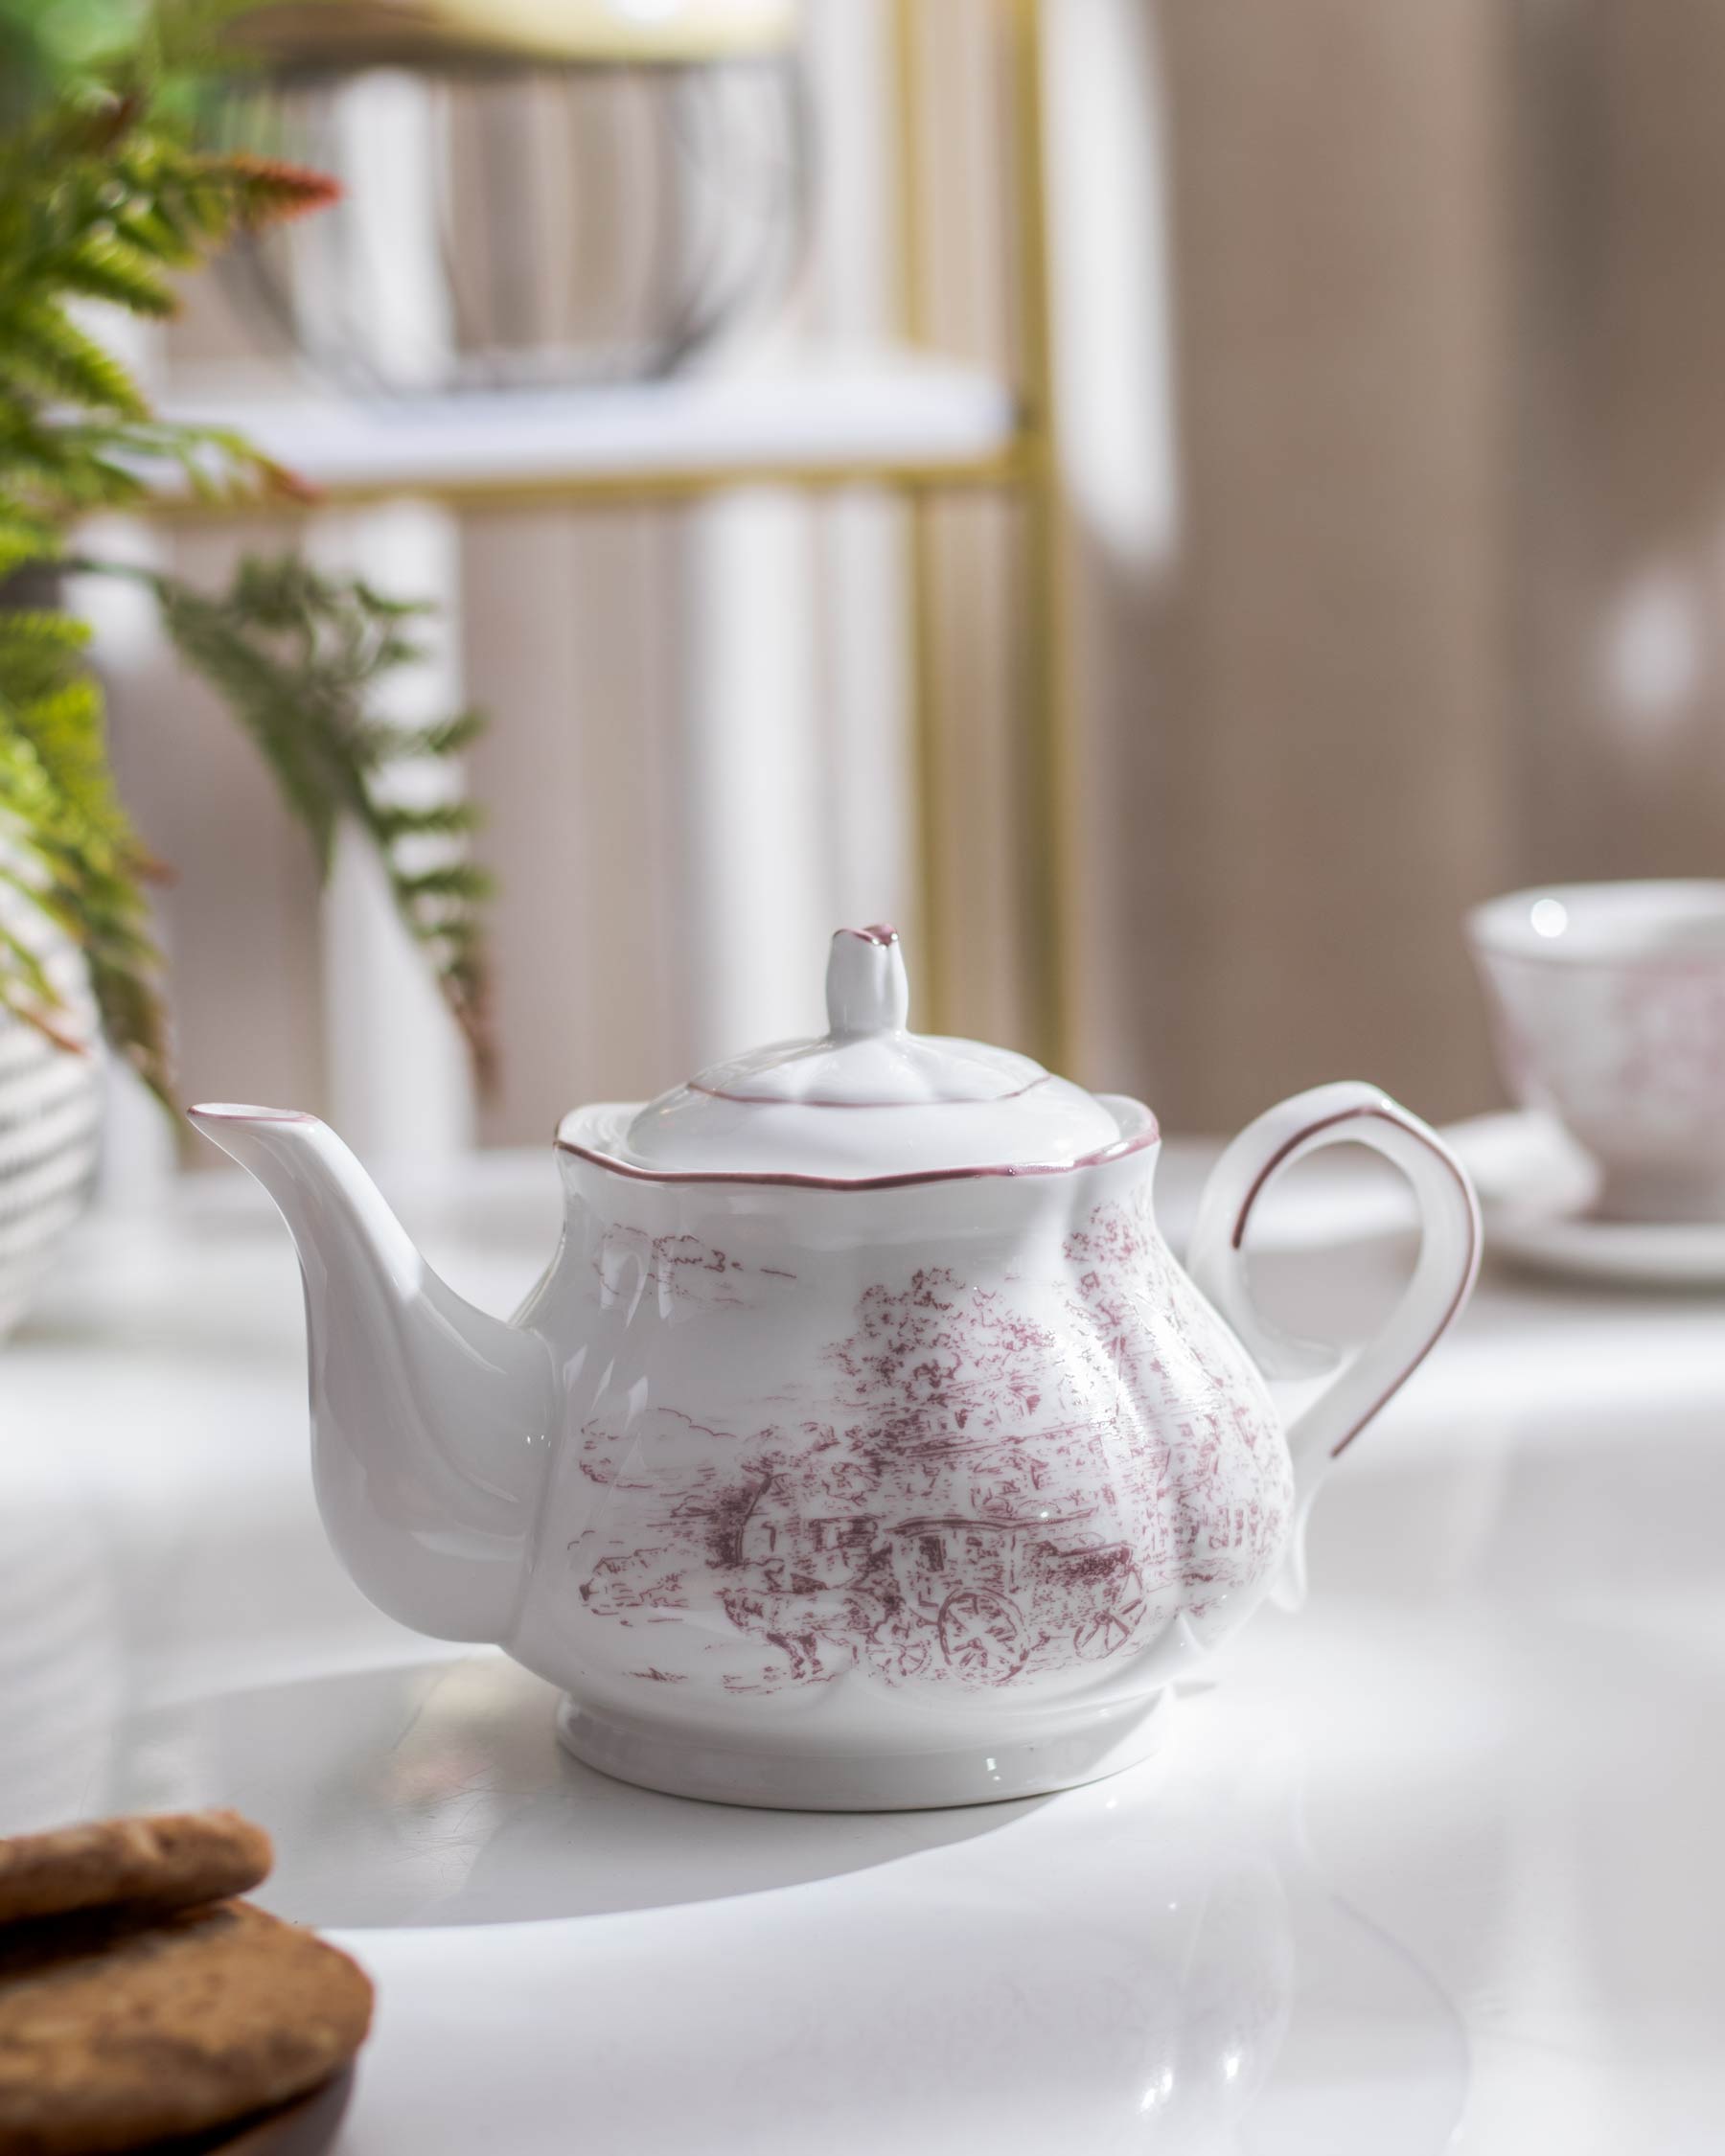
(140, 2004)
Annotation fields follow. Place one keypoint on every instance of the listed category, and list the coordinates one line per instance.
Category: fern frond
(70, 852)
(106, 266)
(434, 820)
(152, 232)
(452, 880)
(24, 983)
(41, 340)
(269, 191)
(24, 540)
(298, 656)
(33, 628)
(106, 194)
(387, 739)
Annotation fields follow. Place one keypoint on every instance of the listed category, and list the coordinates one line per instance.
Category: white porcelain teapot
(863, 1445)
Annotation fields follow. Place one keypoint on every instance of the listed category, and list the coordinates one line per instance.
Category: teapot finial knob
(866, 990)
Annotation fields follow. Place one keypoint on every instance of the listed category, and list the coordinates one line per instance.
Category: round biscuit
(111, 2035)
(175, 1859)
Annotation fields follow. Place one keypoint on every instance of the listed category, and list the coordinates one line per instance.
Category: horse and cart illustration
(997, 1556)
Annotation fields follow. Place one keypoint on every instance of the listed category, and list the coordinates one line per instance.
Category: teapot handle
(1449, 1260)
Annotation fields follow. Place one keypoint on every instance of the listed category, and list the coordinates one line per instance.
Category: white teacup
(1609, 1008)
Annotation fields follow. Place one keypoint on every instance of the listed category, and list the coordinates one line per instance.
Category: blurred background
(1168, 500)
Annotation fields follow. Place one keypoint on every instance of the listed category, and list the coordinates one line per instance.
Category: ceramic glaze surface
(868, 1097)
(912, 1487)
(989, 1463)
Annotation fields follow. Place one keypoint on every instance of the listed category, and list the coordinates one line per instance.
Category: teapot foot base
(1084, 1747)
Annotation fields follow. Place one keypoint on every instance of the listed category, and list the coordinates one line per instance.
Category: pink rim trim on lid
(1122, 1149)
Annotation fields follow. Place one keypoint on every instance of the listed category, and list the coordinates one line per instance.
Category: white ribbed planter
(49, 1119)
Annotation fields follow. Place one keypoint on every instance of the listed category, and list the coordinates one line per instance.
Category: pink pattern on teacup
(1672, 1061)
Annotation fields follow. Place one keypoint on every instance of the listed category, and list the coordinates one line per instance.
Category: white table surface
(1433, 1864)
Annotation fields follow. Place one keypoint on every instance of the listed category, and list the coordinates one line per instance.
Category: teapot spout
(431, 1421)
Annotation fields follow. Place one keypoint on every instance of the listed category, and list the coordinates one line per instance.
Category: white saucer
(1535, 1187)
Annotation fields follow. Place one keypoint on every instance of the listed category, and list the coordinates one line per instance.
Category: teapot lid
(868, 1097)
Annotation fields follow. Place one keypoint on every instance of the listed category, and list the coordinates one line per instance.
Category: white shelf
(832, 416)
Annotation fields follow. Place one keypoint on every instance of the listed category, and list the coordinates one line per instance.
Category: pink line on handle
(1468, 1270)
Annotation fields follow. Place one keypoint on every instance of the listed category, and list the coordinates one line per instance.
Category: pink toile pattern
(997, 1482)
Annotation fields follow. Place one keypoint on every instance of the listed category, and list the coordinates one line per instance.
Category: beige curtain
(1442, 612)
(1301, 768)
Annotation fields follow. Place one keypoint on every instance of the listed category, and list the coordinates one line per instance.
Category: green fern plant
(106, 196)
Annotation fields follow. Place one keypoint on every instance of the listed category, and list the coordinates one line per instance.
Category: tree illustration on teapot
(985, 1494)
